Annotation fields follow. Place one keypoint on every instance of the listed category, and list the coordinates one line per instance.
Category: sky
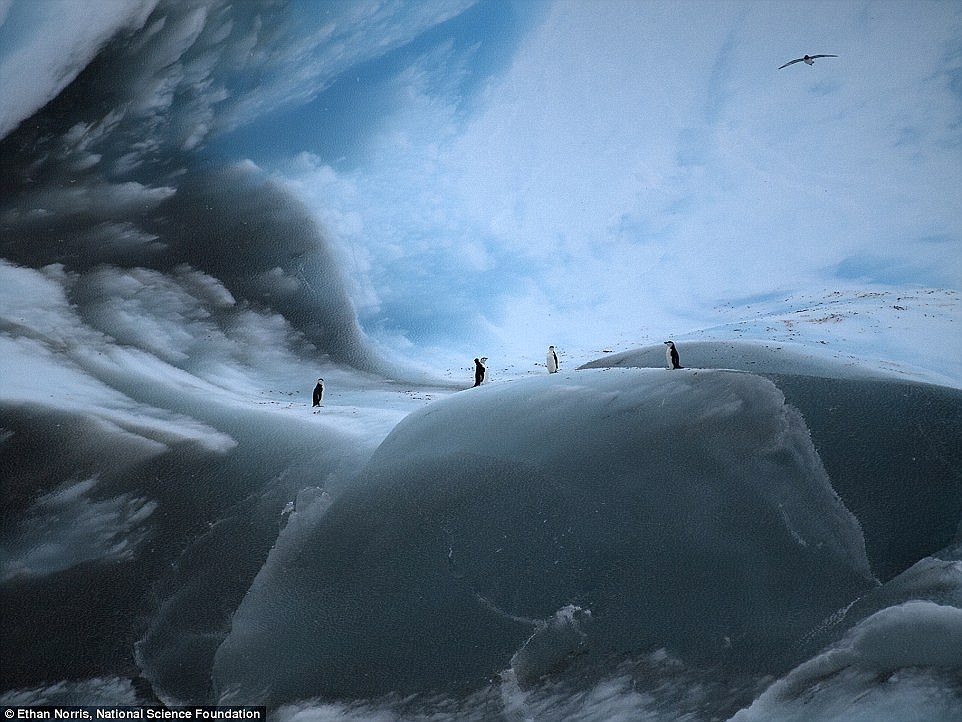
(491, 177)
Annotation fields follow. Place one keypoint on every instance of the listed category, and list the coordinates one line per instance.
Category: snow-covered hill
(915, 333)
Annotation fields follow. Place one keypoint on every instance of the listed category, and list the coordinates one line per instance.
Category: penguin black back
(671, 355)
(479, 370)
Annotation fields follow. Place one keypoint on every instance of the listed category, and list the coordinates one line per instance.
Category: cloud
(621, 168)
(55, 40)
(636, 164)
(896, 270)
(108, 175)
(518, 212)
(98, 200)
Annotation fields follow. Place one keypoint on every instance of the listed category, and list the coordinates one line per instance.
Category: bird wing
(810, 57)
(791, 62)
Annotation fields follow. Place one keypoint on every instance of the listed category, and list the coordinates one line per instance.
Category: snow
(908, 332)
(498, 548)
(911, 334)
(66, 527)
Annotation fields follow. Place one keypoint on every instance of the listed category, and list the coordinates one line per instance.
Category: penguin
(552, 361)
(671, 354)
(479, 370)
(807, 59)
(318, 392)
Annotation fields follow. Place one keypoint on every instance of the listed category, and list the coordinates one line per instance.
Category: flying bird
(807, 59)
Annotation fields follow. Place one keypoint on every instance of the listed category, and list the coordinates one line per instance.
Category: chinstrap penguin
(671, 355)
(479, 370)
(318, 392)
(552, 360)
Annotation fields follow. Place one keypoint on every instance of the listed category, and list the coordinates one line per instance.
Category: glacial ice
(684, 510)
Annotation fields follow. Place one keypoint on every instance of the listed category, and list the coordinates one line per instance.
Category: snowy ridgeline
(573, 519)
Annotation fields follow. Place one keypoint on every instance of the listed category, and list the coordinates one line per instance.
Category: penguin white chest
(551, 361)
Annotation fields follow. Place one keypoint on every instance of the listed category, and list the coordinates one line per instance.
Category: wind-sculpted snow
(758, 357)
(168, 530)
(207, 205)
(916, 647)
(65, 528)
(585, 514)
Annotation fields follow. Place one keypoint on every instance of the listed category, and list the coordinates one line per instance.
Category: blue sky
(510, 175)
(637, 163)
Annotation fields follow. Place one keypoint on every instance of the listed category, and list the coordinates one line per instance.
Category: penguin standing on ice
(552, 360)
(671, 354)
(479, 370)
(318, 392)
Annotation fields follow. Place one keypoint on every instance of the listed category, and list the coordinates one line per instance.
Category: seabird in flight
(807, 59)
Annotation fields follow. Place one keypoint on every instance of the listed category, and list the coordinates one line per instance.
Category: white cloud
(104, 200)
(337, 201)
(45, 45)
(638, 162)
(520, 212)
(631, 166)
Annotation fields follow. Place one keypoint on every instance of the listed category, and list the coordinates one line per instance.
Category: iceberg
(886, 439)
(685, 510)
(901, 663)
